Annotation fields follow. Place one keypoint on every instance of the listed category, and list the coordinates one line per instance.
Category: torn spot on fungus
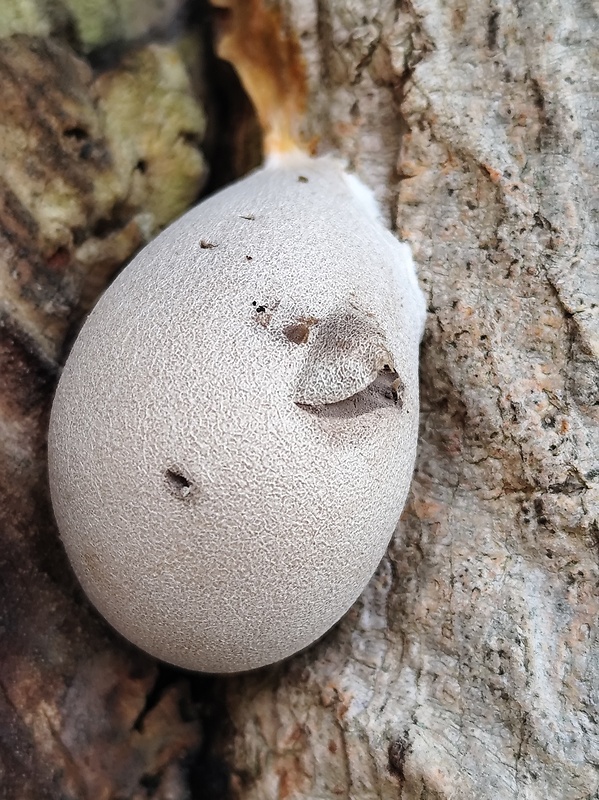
(177, 483)
(397, 390)
(347, 355)
(383, 393)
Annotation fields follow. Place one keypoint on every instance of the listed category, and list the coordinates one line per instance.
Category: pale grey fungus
(233, 436)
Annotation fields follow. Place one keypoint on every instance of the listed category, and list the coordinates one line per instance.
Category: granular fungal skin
(298, 465)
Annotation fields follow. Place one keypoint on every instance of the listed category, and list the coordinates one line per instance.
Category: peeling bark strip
(470, 667)
(254, 37)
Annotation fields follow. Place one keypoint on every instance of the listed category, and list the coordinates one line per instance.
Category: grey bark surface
(470, 667)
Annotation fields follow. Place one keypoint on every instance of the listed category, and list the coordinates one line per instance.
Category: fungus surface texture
(234, 433)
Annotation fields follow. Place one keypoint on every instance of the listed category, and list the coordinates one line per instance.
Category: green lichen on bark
(95, 24)
(154, 126)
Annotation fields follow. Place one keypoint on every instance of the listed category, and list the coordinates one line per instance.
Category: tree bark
(469, 668)
(82, 714)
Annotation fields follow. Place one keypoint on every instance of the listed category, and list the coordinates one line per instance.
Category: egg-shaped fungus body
(234, 432)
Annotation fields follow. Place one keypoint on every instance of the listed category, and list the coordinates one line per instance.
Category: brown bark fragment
(253, 36)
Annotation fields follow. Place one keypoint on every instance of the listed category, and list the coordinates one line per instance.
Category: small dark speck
(492, 30)
(190, 137)
(247, 216)
(260, 309)
(249, 258)
(206, 245)
(77, 133)
(398, 752)
(302, 179)
(86, 151)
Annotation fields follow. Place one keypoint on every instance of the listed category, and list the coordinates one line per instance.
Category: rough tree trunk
(89, 168)
(470, 666)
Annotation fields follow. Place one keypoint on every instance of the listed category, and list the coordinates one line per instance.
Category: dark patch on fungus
(302, 179)
(206, 245)
(299, 332)
(247, 216)
(191, 138)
